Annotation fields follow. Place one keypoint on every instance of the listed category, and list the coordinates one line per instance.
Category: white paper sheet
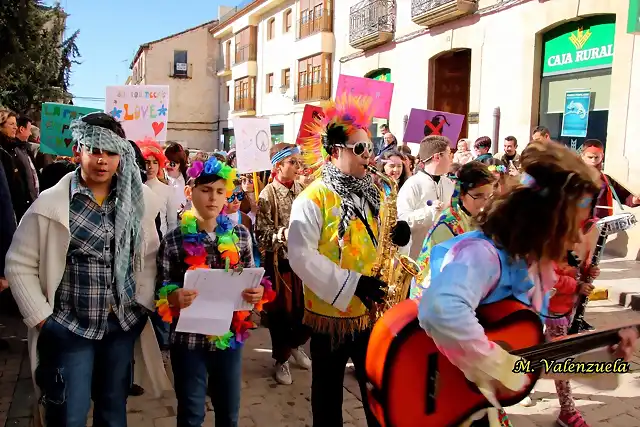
(219, 295)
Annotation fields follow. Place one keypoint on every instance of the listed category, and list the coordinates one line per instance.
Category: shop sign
(633, 20)
(575, 119)
(579, 46)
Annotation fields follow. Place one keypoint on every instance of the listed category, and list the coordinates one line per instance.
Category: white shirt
(178, 185)
(169, 204)
(412, 205)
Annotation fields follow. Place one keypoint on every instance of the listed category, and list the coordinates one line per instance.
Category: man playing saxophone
(333, 236)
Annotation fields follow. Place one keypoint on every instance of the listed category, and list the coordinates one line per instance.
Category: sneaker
(301, 358)
(571, 420)
(283, 373)
(526, 402)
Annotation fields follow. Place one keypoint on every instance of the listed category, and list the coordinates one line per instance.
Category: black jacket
(16, 176)
(7, 219)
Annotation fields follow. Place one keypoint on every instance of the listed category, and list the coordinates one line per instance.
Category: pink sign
(381, 92)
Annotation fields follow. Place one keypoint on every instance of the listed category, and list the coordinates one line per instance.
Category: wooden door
(451, 81)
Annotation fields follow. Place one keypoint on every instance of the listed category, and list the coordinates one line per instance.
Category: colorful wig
(341, 118)
(150, 148)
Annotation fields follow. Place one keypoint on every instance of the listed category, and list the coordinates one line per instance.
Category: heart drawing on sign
(157, 127)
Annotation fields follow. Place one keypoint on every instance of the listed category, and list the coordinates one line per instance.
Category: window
(271, 28)
(246, 45)
(245, 94)
(269, 82)
(180, 65)
(314, 77)
(228, 93)
(287, 21)
(286, 78)
(315, 16)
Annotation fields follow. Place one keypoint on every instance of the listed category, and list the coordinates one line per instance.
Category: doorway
(450, 81)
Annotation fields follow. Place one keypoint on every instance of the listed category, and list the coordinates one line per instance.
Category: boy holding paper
(206, 238)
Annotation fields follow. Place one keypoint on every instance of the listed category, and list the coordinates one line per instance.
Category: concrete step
(621, 279)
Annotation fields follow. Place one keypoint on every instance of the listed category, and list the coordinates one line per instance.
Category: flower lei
(196, 257)
(500, 169)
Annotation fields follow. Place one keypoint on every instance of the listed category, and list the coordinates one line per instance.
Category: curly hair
(538, 219)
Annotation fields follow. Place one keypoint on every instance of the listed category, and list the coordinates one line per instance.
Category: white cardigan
(36, 260)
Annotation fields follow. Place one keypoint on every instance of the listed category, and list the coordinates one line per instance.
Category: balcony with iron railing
(313, 22)
(314, 91)
(435, 12)
(372, 23)
(246, 53)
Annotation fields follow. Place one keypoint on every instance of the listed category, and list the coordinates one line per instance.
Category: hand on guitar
(625, 348)
(586, 288)
(370, 290)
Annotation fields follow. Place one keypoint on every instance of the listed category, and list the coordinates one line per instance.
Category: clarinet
(578, 319)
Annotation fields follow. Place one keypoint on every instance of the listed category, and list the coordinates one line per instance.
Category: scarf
(344, 186)
(129, 200)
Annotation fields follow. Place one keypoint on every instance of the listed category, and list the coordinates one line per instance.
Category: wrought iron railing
(418, 7)
(371, 17)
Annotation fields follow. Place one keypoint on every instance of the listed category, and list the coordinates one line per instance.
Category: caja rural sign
(582, 45)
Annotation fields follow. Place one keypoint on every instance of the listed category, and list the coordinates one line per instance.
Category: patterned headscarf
(129, 201)
(345, 186)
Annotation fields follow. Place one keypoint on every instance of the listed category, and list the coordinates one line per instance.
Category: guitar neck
(571, 346)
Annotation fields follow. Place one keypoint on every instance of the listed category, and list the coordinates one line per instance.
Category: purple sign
(427, 122)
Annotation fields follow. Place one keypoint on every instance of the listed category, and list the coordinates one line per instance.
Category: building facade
(527, 61)
(275, 57)
(186, 62)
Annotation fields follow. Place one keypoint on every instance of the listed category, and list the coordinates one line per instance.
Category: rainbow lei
(196, 257)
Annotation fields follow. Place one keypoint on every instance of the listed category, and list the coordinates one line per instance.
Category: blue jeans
(190, 369)
(161, 329)
(73, 370)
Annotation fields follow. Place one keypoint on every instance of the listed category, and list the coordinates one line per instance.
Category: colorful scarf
(196, 257)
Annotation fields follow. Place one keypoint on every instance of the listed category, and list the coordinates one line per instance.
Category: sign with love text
(55, 136)
(142, 110)
(380, 92)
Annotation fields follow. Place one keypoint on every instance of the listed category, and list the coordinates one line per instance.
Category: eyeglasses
(483, 197)
(360, 147)
(239, 195)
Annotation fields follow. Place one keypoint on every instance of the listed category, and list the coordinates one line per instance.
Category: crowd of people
(104, 239)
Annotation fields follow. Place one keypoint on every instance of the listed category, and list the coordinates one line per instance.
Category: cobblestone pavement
(267, 404)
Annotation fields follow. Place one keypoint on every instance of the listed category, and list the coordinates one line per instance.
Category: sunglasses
(239, 196)
(360, 147)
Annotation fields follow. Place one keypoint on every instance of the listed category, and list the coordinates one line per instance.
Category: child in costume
(561, 307)
(474, 186)
(593, 155)
(284, 315)
(155, 162)
(206, 238)
(507, 258)
(332, 240)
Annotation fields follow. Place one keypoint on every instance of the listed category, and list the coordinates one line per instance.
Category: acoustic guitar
(410, 383)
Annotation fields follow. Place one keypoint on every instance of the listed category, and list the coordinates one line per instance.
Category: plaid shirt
(87, 293)
(172, 268)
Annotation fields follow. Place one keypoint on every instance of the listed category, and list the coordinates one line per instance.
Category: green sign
(579, 46)
(55, 136)
(633, 21)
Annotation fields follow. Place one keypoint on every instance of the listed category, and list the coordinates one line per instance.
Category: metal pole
(405, 122)
(496, 130)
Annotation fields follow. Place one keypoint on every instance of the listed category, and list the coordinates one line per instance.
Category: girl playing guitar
(522, 234)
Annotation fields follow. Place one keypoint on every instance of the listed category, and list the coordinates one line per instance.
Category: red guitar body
(412, 384)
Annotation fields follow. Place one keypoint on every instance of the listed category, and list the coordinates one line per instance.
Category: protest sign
(143, 110)
(55, 136)
(428, 122)
(253, 141)
(379, 91)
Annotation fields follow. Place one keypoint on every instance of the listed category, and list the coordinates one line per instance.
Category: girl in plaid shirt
(207, 238)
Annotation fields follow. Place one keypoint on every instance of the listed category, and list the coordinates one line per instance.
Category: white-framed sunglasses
(360, 147)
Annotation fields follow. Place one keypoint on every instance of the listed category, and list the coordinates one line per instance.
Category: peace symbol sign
(262, 140)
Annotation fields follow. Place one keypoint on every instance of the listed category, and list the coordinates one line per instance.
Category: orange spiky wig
(341, 118)
(150, 148)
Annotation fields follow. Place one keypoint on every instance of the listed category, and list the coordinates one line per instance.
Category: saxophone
(384, 268)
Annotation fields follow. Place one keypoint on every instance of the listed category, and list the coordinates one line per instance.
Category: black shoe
(4, 345)
(584, 326)
(136, 390)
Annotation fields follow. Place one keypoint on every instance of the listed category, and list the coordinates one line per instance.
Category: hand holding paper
(253, 295)
(182, 298)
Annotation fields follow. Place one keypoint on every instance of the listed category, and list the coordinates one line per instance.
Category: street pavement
(266, 403)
